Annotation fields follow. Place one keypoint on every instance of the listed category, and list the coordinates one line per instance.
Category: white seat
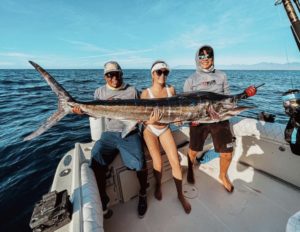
(293, 224)
(91, 203)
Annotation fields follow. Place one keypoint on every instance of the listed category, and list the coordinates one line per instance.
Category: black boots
(100, 174)
(185, 204)
(142, 205)
(157, 193)
(190, 172)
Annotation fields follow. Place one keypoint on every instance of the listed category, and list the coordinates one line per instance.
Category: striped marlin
(203, 107)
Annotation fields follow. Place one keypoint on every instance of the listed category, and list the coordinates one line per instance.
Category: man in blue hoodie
(207, 78)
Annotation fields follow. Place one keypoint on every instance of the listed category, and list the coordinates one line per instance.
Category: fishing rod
(244, 95)
(259, 85)
(297, 4)
(292, 15)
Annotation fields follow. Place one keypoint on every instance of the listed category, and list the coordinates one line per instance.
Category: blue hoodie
(206, 80)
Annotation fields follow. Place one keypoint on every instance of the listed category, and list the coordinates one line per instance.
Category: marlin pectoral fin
(45, 126)
(129, 126)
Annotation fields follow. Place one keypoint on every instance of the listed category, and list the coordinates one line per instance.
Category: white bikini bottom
(155, 131)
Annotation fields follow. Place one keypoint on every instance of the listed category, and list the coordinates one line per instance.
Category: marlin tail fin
(64, 98)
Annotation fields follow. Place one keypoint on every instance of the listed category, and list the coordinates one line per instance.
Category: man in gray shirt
(207, 78)
(111, 142)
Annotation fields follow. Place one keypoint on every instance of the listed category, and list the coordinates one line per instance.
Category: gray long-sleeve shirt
(215, 81)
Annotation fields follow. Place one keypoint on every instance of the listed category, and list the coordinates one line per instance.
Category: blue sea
(27, 168)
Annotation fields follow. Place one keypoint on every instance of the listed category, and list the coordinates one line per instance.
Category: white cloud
(118, 53)
(84, 46)
(89, 47)
(3, 63)
(15, 54)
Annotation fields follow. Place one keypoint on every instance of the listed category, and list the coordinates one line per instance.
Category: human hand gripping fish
(155, 116)
(212, 113)
(77, 110)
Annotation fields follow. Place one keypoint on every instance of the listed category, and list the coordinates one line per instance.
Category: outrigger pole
(292, 15)
(297, 4)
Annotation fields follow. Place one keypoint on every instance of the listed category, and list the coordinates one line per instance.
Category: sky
(86, 34)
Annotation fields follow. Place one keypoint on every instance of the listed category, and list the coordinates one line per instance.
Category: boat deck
(258, 203)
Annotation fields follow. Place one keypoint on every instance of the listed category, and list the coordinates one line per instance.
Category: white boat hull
(259, 145)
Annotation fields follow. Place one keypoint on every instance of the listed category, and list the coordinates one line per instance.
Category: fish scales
(185, 107)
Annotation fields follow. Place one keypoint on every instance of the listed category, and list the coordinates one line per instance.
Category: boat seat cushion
(293, 224)
(260, 129)
(91, 204)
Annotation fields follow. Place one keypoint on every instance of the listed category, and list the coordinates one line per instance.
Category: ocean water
(27, 168)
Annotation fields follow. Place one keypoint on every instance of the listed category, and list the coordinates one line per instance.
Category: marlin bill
(203, 107)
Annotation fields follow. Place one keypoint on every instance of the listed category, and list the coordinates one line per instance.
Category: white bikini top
(152, 96)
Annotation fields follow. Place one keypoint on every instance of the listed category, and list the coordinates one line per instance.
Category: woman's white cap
(160, 65)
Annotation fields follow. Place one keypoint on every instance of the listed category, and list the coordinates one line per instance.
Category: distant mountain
(264, 66)
(184, 67)
(258, 66)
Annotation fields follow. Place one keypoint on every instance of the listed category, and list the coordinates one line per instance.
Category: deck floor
(258, 203)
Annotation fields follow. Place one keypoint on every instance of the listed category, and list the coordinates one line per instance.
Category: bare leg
(168, 144)
(152, 143)
(225, 160)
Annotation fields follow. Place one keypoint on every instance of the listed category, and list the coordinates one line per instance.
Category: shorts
(220, 133)
(130, 148)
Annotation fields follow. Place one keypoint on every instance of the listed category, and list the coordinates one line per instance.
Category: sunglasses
(113, 74)
(204, 57)
(160, 72)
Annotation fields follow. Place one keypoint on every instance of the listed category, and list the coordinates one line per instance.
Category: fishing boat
(264, 171)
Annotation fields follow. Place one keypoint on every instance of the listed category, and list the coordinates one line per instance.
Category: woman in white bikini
(155, 133)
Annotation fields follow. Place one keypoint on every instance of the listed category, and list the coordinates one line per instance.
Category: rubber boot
(225, 160)
(158, 193)
(185, 204)
(100, 174)
(142, 204)
(190, 172)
